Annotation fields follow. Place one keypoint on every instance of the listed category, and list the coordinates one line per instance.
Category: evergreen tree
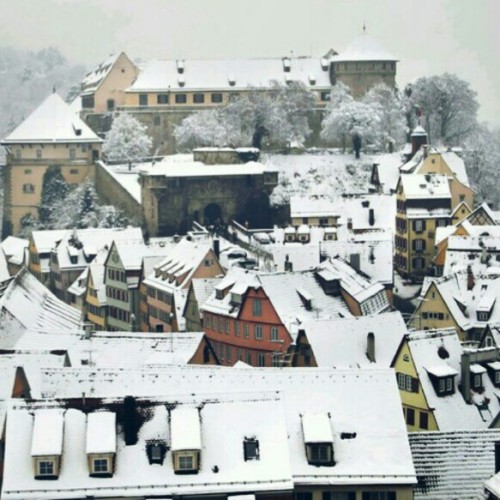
(54, 189)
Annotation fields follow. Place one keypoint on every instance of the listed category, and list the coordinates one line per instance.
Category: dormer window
(236, 298)
(476, 376)
(156, 452)
(485, 307)
(101, 443)
(185, 430)
(219, 294)
(251, 449)
(443, 379)
(47, 443)
(318, 438)
(494, 372)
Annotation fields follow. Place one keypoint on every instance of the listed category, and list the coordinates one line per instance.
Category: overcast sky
(428, 36)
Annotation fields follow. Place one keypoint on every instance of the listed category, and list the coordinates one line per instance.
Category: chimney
(288, 264)
(354, 260)
(349, 224)
(484, 255)
(370, 347)
(371, 217)
(470, 278)
(418, 139)
(217, 247)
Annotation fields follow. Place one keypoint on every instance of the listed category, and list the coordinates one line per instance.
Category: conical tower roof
(365, 48)
(52, 122)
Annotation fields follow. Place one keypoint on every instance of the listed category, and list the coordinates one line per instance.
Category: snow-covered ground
(321, 172)
(328, 173)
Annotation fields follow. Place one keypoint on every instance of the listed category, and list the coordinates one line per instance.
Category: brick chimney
(418, 139)
(470, 278)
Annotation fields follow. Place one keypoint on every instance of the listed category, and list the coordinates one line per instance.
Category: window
(257, 307)
(338, 495)
(180, 98)
(476, 381)
(325, 96)
(237, 328)
(461, 197)
(419, 245)
(73, 171)
(27, 171)
(424, 420)
(186, 462)
(88, 101)
(38, 153)
(378, 495)
(227, 328)
(28, 188)
(410, 416)
(110, 104)
(257, 330)
(100, 465)
(228, 353)
(198, 98)
(19, 154)
(305, 220)
(216, 97)
(274, 333)
(419, 226)
(320, 454)
(482, 316)
(143, 99)
(46, 468)
(407, 382)
(157, 120)
(303, 495)
(261, 359)
(246, 331)
(251, 449)
(162, 99)
(418, 263)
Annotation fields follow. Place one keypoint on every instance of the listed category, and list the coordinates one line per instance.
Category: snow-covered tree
(54, 189)
(482, 157)
(355, 120)
(448, 106)
(392, 127)
(281, 115)
(127, 141)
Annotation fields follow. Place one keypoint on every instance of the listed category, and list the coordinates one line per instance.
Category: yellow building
(462, 300)
(423, 203)
(53, 136)
(431, 369)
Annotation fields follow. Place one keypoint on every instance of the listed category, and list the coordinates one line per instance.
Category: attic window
(236, 298)
(219, 294)
(251, 449)
(318, 438)
(156, 452)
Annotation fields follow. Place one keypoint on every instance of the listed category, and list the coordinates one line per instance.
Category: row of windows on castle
(39, 152)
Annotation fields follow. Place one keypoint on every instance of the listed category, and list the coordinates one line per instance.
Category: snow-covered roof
(180, 166)
(45, 240)
(357, 209)
(46, 312)
(185, 428)
(219, 74)
(127, 178)
(283, 290)
(80, 246)
(222, 469)
(48, 428)
(364, 48)
(203, 287)
(439, 352)
(15, 249)
(115, 349)
(317, 428)
(365, 402)
(52, 122)
(342, 343)
(453, 289)
(93, 79)
(453, 464)
(425, 186)
(456, 165)
(101, 432)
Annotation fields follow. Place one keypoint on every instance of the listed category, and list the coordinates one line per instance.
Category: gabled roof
(453, 290)
(365, 402)
(364, 48)
(453, 464)
(440, 351)
(93, 80)
(425, 186)
(52, 122)
(164, 75)
(27, 304)
(342, 343)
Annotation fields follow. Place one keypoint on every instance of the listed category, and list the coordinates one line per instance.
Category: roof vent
(324, 64)
(287, 65)
(312, 79)
(232, 80)
(181, 81)
(180, 66)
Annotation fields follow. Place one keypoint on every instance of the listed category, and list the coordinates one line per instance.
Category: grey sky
(428, 36)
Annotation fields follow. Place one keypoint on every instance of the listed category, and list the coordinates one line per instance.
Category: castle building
(163, 92)
(52, 137)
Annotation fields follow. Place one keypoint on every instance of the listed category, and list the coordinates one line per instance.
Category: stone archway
(212, 215)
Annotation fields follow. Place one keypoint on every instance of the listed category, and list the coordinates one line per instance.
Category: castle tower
(363, 64)
(53, 136)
